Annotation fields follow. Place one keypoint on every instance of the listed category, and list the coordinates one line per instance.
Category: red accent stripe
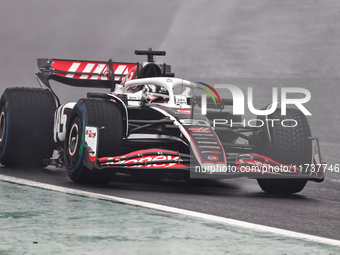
(156, 151)
(270, 162)
(65, 65)
(92, 158)
(153, 160)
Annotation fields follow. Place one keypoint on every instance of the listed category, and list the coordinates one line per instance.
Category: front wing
(166, 161)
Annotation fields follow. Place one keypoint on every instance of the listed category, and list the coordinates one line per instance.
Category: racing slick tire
(286, 145)
(106, 116)
(26, 127)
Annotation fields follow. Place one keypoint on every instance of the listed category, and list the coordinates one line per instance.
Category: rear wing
(81, 73)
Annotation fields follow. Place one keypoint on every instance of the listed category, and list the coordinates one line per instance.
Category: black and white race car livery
(151, 123)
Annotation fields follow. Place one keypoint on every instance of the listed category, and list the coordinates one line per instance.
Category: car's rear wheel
(104, 115)
(286, 145)
(26, 127)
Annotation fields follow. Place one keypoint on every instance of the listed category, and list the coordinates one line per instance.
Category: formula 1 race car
(151, 123)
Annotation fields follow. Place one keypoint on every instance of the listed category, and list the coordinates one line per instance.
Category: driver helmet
(155, 93)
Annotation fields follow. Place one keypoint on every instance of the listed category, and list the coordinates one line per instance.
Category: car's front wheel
(104, 115)
(289, 144)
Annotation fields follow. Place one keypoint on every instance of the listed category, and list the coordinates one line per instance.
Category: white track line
(231, 222)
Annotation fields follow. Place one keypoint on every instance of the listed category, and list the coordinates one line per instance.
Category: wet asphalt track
(77, 227)
(224, 39)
